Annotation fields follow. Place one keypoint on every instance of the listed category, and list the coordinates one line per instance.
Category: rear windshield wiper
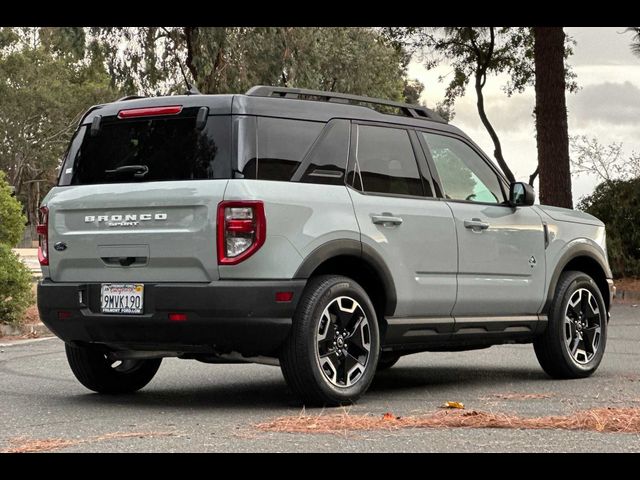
(139, 171)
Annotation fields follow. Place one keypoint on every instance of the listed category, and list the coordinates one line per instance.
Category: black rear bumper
(222, 316)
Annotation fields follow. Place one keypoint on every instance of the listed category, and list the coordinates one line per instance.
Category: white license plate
(123, 298)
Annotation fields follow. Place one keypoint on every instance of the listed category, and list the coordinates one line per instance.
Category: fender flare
(572, 251)
(354, 248)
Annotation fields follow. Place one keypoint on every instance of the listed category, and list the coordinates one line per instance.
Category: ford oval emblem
(60, 246)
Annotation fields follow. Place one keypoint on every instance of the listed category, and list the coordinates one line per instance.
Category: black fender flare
(335, 248)
(574, 251)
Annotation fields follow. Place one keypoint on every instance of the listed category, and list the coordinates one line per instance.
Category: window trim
(502, 181)
(353, 165)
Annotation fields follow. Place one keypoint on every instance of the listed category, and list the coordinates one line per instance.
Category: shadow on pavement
(273, 393)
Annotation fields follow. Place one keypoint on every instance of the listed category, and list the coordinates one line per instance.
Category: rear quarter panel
(300, 218)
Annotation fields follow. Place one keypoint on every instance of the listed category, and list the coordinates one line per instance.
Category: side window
(328, 158)
(463, 173)
(386, 162)
(282, 144)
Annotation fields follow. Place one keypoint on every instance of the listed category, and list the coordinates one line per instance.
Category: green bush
(12, 221)
(15, 286)
(15, 277)
(617, 204)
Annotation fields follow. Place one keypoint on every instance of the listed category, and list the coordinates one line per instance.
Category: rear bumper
(222, 316)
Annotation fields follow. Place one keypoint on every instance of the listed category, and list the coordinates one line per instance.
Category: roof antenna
(191, 89)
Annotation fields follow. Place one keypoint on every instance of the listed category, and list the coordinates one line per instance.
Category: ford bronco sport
(327, 233)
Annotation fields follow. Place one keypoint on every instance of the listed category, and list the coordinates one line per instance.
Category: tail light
(242, 228)
(43, 236)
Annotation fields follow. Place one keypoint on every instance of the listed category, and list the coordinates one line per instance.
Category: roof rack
(407, 109)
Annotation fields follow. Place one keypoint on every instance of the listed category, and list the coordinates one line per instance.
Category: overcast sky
(607, 106)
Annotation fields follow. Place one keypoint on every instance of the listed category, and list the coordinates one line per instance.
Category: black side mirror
(521, 194)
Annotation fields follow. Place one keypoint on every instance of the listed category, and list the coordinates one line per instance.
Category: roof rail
(407, 109)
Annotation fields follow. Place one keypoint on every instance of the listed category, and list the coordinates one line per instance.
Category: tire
(322, 314)
(387, 360)
(96, 372)
(554, 348)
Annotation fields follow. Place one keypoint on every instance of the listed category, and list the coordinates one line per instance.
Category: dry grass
(31, 316)
(26, 445)
(518, 396)
(619, 420)
(628, 284)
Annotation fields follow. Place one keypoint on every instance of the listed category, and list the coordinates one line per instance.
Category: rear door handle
(476, 224)
(386, 220)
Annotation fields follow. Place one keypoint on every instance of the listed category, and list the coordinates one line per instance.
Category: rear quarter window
(281, 146)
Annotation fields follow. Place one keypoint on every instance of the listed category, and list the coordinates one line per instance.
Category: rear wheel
(331, 353)
(97, 371)
(574, 342)
(387, 360)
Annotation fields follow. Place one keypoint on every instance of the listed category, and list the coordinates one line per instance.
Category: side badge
(532, 261)
(60, 246)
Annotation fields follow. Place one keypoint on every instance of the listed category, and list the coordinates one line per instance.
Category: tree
(233, 59)
(552, 135)
(617, 204)
(15, 278)
(11, 217)
(635, 42)
(605, 162)
(48, 78)
(474, 53)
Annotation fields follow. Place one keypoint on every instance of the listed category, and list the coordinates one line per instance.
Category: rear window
(149, 150)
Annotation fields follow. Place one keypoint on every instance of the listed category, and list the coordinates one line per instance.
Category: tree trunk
(497, 152)
(551, 117)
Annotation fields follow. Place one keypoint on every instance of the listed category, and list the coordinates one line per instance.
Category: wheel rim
(582, 326)
(343, 342)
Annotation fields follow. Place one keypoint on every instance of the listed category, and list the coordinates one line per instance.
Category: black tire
(551, 348)
(300, 357)
(92, 368)
(387, 360)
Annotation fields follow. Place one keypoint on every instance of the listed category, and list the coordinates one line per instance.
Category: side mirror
(521, 194)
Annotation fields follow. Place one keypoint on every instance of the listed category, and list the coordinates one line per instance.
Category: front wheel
(331, 354)
(97, 371)
(574, 342)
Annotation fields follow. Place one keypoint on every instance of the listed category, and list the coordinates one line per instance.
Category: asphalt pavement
(195, 407)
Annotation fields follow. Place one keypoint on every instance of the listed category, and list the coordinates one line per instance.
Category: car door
(399, 219)
(501, 261)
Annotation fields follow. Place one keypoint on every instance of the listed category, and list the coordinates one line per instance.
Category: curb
(34, 330)
(626, 295)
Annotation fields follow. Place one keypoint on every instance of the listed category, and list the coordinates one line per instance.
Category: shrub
(15, 277)
(15, 286)
(617, 204)
(12, 220)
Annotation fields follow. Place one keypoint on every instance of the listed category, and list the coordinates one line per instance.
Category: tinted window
(328, 158)
(386, 162)
(168, 148)
(463, 173)
(282, 144)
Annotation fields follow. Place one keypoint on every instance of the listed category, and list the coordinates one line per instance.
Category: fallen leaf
(453, 405)
(389, 416)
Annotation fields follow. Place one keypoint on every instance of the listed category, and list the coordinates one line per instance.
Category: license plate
(122, 298)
